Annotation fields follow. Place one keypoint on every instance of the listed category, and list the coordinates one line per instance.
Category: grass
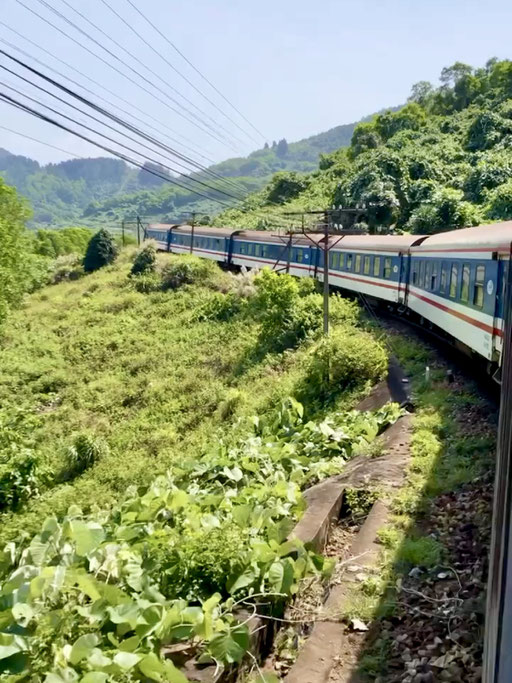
(95, 361)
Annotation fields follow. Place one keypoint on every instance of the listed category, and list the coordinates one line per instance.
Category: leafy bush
(220, 306)
(85, 451)
(499, 203)
(145, 260)
(146, 283)
(101, 251)
(20, 479)
(346, 358)
(189, 269)
(420, 552)
(67, 267)
(55, 243)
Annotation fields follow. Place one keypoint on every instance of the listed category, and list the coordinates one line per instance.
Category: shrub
(83, 454)
(189, 269)
(420, 552)
(346, 358)
(145, 260)
(68, 267)
(101, 251)
(20, 478)
(146, 283)
(500, 202)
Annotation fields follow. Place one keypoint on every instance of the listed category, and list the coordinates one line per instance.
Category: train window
(478, 289)
(349, 261)
(444, 278)
(376, 266)
(257, 249)
(433, 277)
(300, 255)
(342, 260)
(453, 280)
(366, 267)
(415, 273)
(428, 274)
(357, 268)
(464, 290)
(242, 248)
(421, 276)
(387, 267)
(265, 250)
(333, 258)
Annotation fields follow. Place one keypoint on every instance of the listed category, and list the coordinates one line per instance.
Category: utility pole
(326, 278)
(122, 232)
(497, 664)
(138, 230)
(192, 225)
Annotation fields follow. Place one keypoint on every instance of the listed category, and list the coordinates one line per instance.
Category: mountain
(89, 191)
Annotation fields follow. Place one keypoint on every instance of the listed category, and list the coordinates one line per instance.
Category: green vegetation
(101, 251)
(161, 444)
(441, 162)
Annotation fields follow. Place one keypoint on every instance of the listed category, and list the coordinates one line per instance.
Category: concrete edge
(317, 656)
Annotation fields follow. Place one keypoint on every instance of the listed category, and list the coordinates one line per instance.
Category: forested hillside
(443, 161)
(105, 189)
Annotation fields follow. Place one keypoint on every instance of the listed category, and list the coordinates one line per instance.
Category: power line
(105, 113)
(193, 149)
(46, 144)
(139, 61)
(167, 40)
(23, 107)
(110, 139)
(187, 80)
(111, 66)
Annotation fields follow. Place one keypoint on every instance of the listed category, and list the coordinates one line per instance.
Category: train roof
(392, 243)
(492, 237)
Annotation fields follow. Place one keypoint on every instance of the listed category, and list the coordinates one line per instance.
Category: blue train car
(457, 280)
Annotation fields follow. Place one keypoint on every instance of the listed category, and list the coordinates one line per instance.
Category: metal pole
(326, 279)
(122, 232)
(138, 230)
(497, 664)
(193, 225)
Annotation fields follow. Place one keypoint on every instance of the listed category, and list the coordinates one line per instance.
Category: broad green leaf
(22, 612)
(231, 646)
(11, 644)
(126, 660)
(275, 577)
(82, 647)
(247, 578)
(241, 514)
(157, 670)
(129, 644)
(179, 500)
(87, 536)
(94, 677)
(98, 660)
(205, 630)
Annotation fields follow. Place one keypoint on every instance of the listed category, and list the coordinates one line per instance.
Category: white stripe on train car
(474, 328)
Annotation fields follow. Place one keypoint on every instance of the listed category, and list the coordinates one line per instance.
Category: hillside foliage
(443, 161)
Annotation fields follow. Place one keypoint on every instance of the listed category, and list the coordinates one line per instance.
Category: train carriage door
(403, 277)
(497, 279)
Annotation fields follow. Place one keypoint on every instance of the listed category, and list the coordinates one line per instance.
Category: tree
(265, 146)
(420, 92)
(286, 185)
(101, 251)
(451, 74)
(145, 261)
(282, 148)
(13, 248)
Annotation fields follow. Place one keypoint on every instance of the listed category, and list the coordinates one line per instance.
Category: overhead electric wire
(141, 63)
(111, 116)
(175, 69)
(194, 149)
(194, 67)
(102, 123)
(46, 144)
(111, 66)
(19, 105)
(121, 144)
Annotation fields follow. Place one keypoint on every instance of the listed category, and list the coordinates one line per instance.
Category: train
(453, 282)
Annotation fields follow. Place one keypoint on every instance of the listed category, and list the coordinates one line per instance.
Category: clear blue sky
(293, 67)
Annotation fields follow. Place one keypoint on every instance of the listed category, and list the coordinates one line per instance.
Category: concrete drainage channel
(328, 654)
(318, 660)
